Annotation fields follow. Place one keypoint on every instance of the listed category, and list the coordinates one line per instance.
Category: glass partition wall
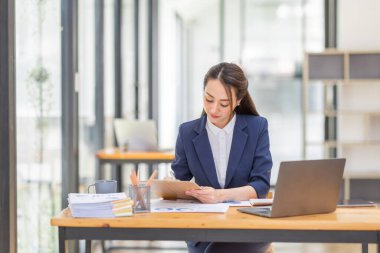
(86, 50)
(267, 38)
(97, 21)
(188, 46)
(276, 35)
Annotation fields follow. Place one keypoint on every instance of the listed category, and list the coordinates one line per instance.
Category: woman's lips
(214, 116)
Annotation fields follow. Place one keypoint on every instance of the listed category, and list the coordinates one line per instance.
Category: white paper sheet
(184, 206)
(84, 198)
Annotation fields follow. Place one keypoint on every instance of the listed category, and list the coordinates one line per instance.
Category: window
(38, 83)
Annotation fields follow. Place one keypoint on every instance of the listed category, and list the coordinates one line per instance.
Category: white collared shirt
(220, 142)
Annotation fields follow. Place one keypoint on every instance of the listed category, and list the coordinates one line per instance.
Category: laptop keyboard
(258, 211)
(263, 210)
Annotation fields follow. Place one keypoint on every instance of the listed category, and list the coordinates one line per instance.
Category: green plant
(40, 93)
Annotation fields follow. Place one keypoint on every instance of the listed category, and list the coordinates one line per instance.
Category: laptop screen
(136, 135)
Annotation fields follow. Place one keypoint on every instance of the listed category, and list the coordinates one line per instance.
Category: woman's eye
(224, 105)
(209, 101)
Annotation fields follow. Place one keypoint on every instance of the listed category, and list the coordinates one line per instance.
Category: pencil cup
(140, 195)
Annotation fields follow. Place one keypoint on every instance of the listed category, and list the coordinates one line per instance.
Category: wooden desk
(355, 225)
(115, 156)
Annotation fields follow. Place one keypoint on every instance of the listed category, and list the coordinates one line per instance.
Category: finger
(203, 192)
(203, 197)
(206, 200)
(210, 192)
(190, 193)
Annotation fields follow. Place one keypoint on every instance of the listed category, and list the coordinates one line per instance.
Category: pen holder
(140, 195)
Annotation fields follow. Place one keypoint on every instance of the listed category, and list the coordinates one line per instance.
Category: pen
(134, 178)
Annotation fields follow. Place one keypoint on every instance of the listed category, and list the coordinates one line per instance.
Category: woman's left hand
(206, 194)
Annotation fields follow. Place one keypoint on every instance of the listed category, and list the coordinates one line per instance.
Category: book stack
(84, 205)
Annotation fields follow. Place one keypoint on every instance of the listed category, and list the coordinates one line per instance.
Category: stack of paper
(100, 205)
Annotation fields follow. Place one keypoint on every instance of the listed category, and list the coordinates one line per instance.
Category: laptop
(304, 187)
(136, 135)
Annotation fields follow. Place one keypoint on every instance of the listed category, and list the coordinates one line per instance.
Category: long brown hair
(232, 77)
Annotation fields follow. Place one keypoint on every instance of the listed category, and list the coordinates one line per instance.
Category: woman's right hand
(205, 194)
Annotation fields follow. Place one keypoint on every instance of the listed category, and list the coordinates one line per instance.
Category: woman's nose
(214, 108)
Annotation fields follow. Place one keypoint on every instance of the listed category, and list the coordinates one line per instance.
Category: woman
(226, 151)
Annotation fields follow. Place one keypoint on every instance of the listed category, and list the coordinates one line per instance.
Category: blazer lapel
(237, 147)
(203, 149)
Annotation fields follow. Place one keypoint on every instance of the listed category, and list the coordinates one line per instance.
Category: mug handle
(89, 187)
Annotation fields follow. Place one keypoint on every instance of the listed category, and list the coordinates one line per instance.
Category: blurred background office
(80, 64)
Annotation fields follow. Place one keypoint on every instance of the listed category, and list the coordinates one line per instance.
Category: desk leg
(150, 169)
(62, 240)
(99, 173)
(118, 175)
(364, 247)
(88, 246)
(98, 167)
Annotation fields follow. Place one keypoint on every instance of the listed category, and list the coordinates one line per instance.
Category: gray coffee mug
(104, 186)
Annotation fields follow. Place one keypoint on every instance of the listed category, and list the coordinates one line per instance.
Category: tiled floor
(180, 247)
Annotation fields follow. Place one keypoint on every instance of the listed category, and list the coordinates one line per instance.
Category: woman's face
(216, 103)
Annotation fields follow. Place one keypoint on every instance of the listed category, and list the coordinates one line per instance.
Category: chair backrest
(136, 135)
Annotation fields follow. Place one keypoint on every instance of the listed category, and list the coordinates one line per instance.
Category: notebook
(356, 203)
(172, 189)
(304, 187)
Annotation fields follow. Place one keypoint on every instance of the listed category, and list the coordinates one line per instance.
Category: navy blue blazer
(249, 163)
